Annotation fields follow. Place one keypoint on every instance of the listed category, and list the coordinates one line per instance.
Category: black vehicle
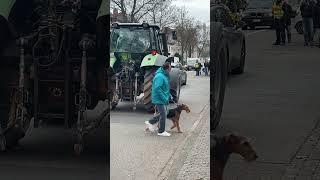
(228, 53)
(182, 72)
(47, 75)
(258, 13)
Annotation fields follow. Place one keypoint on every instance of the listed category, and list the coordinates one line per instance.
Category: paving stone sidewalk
(306, 164)
(197, 164)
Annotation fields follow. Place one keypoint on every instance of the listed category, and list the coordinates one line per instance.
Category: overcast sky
(199, 9)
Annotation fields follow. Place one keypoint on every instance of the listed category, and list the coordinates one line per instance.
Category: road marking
(254, 32)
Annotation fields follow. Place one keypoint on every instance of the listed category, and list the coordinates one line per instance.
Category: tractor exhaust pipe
(135, 93)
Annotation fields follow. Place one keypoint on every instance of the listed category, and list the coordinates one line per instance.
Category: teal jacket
(161, 87)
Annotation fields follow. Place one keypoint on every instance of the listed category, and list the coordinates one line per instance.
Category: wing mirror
(240, 24)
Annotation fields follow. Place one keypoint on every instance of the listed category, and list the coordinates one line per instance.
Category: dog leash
(155, 108)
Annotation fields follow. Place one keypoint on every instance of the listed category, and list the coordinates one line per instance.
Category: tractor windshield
(130, 39)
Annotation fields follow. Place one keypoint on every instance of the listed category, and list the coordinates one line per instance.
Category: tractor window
(130, 39)
(160, 42)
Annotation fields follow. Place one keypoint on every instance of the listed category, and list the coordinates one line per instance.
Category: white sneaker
(150, 126)
(164, 134)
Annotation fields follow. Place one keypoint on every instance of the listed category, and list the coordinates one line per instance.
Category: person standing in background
(206, 68)
(288, 14)
(306, 9)
(279, 23)
(316, 22)
(197, 67)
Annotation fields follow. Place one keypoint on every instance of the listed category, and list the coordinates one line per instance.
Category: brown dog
(224, 147)
(174, 116)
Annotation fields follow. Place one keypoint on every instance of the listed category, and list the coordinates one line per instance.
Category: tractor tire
(299, 27)
(113, 103)
(13, 133)
(147, 89)
(185, 82)
(240, 69)
(220, 74)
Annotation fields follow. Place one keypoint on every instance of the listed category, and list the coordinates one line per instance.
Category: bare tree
(203, 39)
(163, 13)
(187, 33)
(134, 10)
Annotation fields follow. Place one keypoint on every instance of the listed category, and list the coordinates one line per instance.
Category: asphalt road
(48, 155)
(275, 103)
(136, 154)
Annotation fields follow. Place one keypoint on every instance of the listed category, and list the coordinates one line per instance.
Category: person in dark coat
(316, 22)
(288, 12)
(306, 9)
(206, 68)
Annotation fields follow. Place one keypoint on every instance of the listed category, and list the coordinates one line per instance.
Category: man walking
(160, 98)
(206, 68)
(306, 9)
(288, 14)
(316, 22)
(279, 23)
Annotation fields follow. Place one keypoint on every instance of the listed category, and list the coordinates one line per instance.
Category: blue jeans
(308, 29)
(206, 71)
(161, 116)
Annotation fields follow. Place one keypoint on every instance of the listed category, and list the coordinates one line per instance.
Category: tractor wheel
(114, 101)
(13, 133)
(220, 74)
(147, 88)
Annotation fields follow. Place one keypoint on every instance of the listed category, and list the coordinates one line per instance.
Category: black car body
(258, 13)
(182, 72)
(228, 52)
(232, 34)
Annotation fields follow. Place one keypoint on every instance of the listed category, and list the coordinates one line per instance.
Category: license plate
(256, 20)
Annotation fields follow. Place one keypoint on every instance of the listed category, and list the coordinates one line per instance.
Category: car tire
(220, 73)
(299, 27)
(176, 92)
(185, 82)
(240, 69)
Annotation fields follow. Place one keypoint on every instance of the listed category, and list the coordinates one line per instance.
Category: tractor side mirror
(240, 24)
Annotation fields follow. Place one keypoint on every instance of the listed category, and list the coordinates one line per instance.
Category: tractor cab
(137, 50)
(131, 42)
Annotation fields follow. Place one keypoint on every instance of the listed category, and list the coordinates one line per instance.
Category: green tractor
(137, 50)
